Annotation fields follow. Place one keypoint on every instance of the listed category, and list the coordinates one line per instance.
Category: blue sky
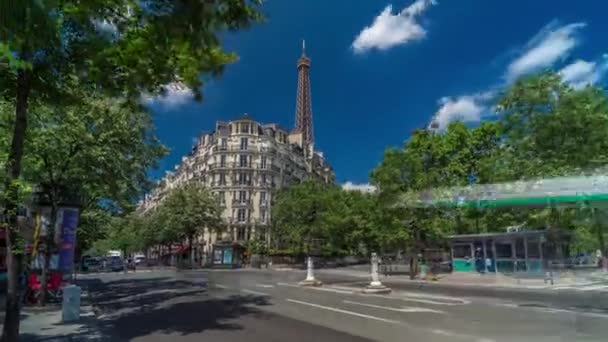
(382, 69)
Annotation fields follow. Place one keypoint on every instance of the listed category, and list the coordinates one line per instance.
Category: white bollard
(376, 285)
(71, 303)
(310, 275)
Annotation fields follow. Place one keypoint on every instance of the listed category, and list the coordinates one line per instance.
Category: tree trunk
(125, 264)
(191, 238)
(14, 258)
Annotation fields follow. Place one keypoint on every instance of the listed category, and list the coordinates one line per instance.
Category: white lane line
(220, 286)
(346, 312)
(266, 286)
(593, 288)
(553, 310)
(327, 289)
(562, 287)
(418, 300)
(402, 309)
(463, 336)
(257, 293)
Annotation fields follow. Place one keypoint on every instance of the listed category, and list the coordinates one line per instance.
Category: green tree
(119, 47)
(189, 209)
(551, 129)
(298, 215)
(93, 151)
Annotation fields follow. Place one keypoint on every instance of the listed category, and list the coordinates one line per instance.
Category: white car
(139, 259)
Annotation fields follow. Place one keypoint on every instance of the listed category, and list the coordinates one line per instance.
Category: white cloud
(389, 30)
(547, 47)
(350, 186)
(174, 95)
(467, 108)
(582, 73)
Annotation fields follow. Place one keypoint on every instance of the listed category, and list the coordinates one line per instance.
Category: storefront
(227, 254)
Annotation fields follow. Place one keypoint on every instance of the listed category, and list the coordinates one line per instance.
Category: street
(233, 305)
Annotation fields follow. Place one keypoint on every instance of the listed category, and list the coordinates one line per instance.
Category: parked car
(140, 260)
(116, 264)
(90, 264)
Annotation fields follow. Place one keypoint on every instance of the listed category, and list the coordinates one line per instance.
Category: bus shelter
(516, 251)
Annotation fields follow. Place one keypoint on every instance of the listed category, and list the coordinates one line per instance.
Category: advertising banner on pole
(68, 226)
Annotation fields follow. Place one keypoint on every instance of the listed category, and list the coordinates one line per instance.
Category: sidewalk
(44, 324)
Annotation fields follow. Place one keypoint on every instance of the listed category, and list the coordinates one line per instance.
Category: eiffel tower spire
(303, 101)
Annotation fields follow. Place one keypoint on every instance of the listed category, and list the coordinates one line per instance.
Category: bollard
(70, 308)
(310, 275)
(375, 286)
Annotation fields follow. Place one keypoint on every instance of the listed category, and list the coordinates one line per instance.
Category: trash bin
(71, 303)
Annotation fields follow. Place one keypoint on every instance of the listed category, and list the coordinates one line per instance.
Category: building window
(244, 128)
(222, 179)
(243, 179)
(241, 215)
(240, 234)
(242, 196)
(222, 197)
(223, 144)
(263, 215)
(462, 251)
(244, 143)
(223, 160)
(263, 179)
(263, 162)
(263, 197)
(243, 160)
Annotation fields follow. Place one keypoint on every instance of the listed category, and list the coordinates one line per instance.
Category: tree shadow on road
(130, 308)
(183, 318)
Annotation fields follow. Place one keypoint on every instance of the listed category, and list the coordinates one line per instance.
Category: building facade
(242, 161)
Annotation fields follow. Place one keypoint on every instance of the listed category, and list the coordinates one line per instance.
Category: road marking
(346, 312)
(562, 287)
(553, 310)
(327, 289)
(594, 287)
(403, 309)
(257, 293)
(464, 336)
(418, 300)
(220, 286)
(267, 286)
(287, 284)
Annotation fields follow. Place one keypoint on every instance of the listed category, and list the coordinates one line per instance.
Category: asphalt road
(270, 306)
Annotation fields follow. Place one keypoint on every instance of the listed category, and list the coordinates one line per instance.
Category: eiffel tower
(303, 102)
